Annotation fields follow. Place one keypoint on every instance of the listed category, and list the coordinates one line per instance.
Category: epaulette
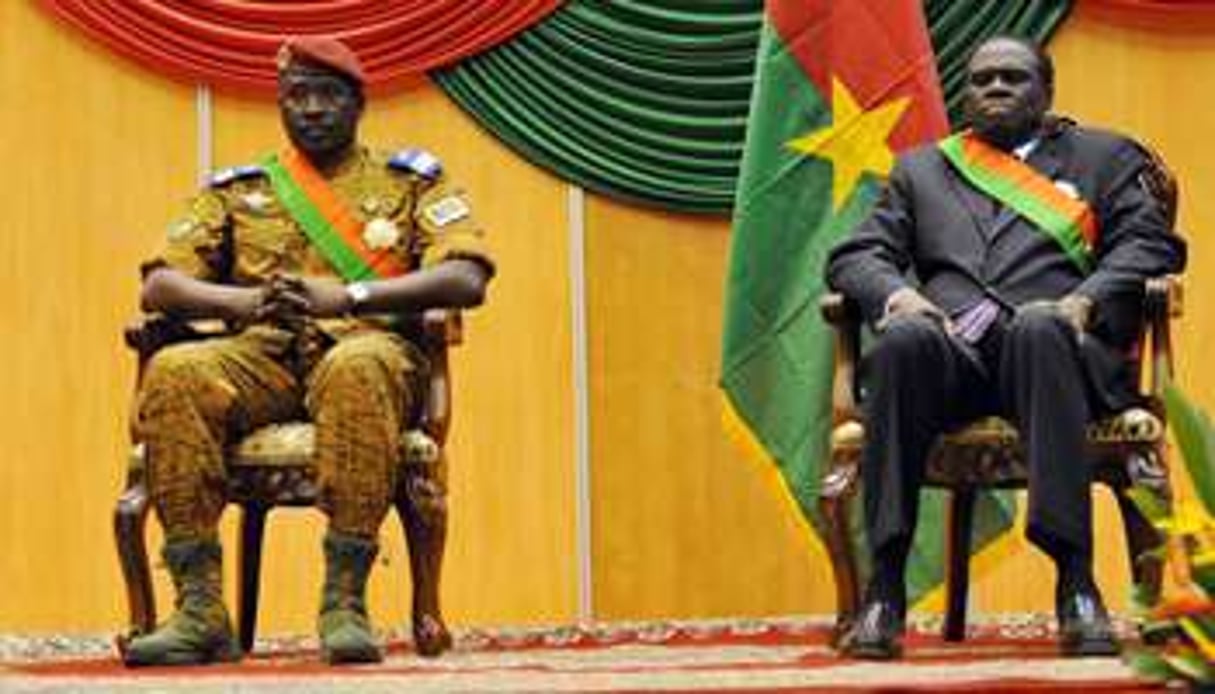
(225, 176)
(417, 161)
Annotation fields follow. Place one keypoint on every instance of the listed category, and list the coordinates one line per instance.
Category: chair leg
(423, 512)
(957, 558)
(1142, 538)
(839, 490)
(130, 518)
(249, 559)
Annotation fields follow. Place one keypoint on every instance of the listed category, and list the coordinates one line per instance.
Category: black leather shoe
(1084, 625)
(877, 633)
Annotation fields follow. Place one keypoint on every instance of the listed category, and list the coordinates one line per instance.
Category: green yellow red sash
(329, 225)
(1069, 221)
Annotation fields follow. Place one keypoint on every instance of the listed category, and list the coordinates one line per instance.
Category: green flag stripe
(320, 232)
(1063, 229)
(776, 347)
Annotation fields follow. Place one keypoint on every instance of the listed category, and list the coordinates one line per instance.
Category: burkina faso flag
(841, 86)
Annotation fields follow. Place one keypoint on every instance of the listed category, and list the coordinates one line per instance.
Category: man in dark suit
(1003, 271)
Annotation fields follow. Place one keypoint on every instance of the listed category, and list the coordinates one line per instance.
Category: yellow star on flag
(854, 142)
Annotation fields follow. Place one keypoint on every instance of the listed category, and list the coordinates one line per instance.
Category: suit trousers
(920, 382)
(197, 399)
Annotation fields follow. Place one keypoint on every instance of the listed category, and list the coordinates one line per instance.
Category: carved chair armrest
(443, 326)
(844, 316)
(434, 331)
(152, 332)
(1162, 303)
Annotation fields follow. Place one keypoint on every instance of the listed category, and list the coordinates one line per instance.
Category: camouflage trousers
(197, 398)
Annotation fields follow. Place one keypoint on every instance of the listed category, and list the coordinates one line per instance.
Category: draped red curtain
(231, 44)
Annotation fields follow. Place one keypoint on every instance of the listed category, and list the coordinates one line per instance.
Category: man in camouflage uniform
(312, 342)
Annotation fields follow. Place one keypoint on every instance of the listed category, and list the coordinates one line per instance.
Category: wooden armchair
(273, 467)
(1126, 449)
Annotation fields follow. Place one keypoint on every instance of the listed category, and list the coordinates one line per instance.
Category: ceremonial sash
(326, 221)
(1067, 220)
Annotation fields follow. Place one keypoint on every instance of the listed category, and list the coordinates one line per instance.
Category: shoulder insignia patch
(417, 161)
(225, 176)
(447, 210)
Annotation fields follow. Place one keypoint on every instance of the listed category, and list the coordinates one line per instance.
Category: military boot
(343, 624)
(199, 631)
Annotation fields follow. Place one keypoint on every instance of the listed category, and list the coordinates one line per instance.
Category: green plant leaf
(1149, 503)
(1204, 576)
(1161, 552)
(1143, 598)
(1198, 630)
(1196, 438)
(1150, 665)
(1191, 665)
(1160, 632)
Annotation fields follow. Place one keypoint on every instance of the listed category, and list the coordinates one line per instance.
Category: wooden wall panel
(683, 526)
(95, 154)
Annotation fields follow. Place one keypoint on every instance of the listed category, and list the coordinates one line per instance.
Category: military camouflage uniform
(354, 377)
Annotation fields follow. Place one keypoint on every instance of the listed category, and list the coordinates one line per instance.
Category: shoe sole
(353, 656)
(873, 653)
(176, 658)
(1088, 649)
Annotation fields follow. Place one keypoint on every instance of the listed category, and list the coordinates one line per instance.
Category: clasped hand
(907, 302)
(1076, 309)
(288, 300)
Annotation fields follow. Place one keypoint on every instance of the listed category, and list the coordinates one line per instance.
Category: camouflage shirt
(236, 231)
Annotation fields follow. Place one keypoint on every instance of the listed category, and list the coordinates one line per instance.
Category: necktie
(972, 323)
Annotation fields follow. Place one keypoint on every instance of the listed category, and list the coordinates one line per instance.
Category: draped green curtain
(646, 100)
(957, 26)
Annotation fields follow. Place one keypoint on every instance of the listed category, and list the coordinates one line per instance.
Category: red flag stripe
(897, 59)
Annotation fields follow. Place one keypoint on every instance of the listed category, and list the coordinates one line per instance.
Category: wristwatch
(359, 293)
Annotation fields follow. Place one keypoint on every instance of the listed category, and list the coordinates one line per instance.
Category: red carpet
(720, 656)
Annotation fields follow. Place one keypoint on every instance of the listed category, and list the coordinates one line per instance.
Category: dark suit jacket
(933, 230)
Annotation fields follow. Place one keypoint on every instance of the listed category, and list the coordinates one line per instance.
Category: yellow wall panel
(683, 526)
(95, 153)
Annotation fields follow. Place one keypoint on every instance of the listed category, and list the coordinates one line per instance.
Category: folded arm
(455, 283)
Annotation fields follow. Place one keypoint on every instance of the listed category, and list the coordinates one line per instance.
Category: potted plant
(1179, 628)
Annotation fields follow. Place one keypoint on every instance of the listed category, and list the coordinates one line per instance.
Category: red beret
(325, 50)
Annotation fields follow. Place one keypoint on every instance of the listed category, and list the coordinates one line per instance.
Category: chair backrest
(1159, 180)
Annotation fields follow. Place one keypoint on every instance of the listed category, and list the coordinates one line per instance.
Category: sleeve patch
(417, 161)
(225, 176)
(446, 210)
